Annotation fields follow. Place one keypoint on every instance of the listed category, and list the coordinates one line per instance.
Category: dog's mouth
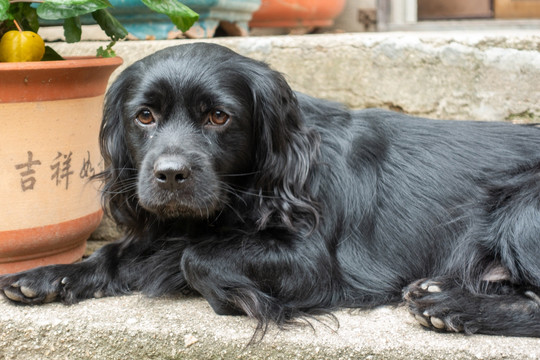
(176, 209)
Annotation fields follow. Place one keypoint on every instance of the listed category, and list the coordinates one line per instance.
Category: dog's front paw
(37, 286)
(28, 295)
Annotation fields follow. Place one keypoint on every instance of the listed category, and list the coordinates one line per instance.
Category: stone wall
(458, 75)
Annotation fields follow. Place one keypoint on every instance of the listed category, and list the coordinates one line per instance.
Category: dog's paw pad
(29, 295)
(28, 292)
(13, 294)
(420, 289)
(438, 323)
(433, 322)
(50, 297)
(431, 287)
(421, 320)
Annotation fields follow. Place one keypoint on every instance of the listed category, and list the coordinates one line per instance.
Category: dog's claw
(533, 297)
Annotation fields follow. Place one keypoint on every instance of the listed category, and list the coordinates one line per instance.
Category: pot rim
(56, 80)
(69, 62)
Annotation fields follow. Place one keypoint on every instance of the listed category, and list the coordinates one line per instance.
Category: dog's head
(190, 128)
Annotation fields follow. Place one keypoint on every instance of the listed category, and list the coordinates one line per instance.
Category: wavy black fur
(297, 205)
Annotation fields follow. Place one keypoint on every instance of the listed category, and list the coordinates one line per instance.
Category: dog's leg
(67, 283)
(252, 276)
(112, 270)
(510, 229)
(492, 285)
(443, 305)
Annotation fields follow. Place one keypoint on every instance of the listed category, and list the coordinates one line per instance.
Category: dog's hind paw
(437, 323)
(425, 299)
(430, 321)
(442, 304)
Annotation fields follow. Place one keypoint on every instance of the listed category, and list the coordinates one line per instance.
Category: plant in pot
(49, 142)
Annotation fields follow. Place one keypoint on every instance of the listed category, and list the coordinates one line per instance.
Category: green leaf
(25, 15)
(181, 16)
(51, 55)
(107, 52)
(4, 6)
(112, 27)
(72, 29)
(29, 18)
(63, 9)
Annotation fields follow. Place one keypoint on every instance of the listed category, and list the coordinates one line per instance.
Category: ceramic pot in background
(297, 13)
(49, 148)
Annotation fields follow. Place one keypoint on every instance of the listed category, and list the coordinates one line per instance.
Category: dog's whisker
(236, 190)
(239, 174)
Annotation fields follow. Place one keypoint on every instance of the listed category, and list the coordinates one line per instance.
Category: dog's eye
(218, 118)
(145, 117)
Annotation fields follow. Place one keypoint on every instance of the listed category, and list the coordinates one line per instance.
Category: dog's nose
(171, 173)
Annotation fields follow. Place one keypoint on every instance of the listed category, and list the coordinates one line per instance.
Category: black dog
(277, 205)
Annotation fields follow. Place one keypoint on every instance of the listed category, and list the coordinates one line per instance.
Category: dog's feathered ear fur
(285, 151)
(120, 175)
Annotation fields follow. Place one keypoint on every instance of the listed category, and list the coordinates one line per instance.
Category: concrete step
(137, 327)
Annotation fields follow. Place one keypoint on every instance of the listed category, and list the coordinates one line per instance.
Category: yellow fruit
(21, 46)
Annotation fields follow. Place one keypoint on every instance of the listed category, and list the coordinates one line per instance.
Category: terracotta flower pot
(297, 13)
(50, 113)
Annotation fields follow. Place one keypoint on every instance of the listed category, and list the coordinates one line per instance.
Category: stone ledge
(477, 75)
(136, 327)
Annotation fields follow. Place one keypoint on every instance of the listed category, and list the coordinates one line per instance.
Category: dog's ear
(284, 152)
(119, 175)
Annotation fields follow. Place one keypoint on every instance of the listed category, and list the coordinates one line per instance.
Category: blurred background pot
(232, 15)
(297, 13)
